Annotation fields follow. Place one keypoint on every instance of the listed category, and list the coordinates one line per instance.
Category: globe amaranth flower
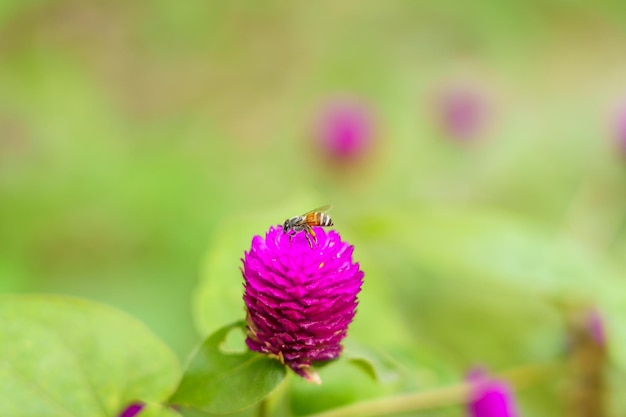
(300, 299)
(489, 397)
(345, 129)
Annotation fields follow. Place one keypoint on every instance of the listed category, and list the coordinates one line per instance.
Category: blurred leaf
(400, 369)
(374, 363)
(218, 299)
(343, 384)
(69, 357)
(478, 285)
(217, 381)
(488, 244)
(377, 306)
(158, 410)
(192, 412)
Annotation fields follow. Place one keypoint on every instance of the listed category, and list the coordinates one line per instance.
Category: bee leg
(309, 233)
(308, 239)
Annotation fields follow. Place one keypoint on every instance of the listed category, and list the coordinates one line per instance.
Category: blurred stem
(586, 389)
(525, 376)
(263, 408)
(454, 394)
(447, 396)
(275, 401)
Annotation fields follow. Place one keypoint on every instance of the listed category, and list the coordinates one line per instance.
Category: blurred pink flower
(595, 326)
(463, 112)
(300, 299)
(489, 397)
(345, 129)
(619, 127)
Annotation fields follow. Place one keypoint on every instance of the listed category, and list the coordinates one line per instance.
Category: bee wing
(321, 209)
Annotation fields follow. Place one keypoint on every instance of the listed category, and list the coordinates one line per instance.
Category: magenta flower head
(300, 299)
(345, 129)
(489, 397)
(463, 113)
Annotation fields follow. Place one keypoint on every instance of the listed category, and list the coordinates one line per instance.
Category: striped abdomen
(318, 218)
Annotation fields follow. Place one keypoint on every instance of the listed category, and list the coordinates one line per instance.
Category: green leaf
(374, 363)
(219, 381)
(158, 410)
(68, 357)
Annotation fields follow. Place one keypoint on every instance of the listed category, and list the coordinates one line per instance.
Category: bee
(305, 223)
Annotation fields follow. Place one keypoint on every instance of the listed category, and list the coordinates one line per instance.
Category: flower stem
(451, 395)
(454, 394)
(263, 407)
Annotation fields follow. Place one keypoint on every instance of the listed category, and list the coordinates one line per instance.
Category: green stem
(451, 395)
(274, 403)
(262, 410)
(402, 403)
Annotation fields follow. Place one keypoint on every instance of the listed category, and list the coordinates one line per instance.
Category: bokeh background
(474, 154)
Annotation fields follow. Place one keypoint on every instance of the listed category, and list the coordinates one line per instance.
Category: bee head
(286, 226)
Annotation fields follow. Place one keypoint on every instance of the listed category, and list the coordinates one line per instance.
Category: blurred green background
(136, 137)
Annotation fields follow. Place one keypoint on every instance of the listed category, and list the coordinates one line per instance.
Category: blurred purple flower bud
(619, 127)
(489, 397)
(463, 113)
(300, 300)
(132, 410)
(345, 129)
(595, 326)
